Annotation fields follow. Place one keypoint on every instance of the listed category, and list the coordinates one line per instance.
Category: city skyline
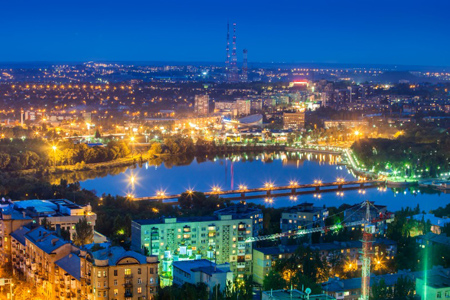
(346, 32)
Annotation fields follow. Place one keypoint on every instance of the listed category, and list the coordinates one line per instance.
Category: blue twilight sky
(336, 31)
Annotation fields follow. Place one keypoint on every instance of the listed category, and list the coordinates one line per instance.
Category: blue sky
(331, 31)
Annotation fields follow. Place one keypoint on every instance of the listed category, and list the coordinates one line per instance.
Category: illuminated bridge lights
(269, 185)
(242, 187)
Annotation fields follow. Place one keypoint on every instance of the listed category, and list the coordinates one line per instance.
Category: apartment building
(97, 271)
(201, 105)
(220, 238)
(60, 213)
(115, 273)
(302, 216)
(294, 121)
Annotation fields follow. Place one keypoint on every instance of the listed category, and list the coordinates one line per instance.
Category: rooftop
(435, 238)
(433, 219)
(337, 285)
(44, 239)
(319, 247)
(201, 265)
(71, 264)
(305, 207)
(296, 294)
(115, 254)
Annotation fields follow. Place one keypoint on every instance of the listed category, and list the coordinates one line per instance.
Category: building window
(115, 272)
(115, 281)
(116, 292)
(104, 273)
(139, 290)
(127, 271)
(439, 295)
(139, 270)
(139, 281)
(99, 274)
(151, 270)
(151, 279)
(104, 293)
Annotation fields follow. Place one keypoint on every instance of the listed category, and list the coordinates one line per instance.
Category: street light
(54, 155)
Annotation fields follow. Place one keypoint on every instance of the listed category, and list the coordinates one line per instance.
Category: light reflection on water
(254, 171)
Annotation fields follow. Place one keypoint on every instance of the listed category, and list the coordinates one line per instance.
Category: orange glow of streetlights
(216, 189)
(242, 187)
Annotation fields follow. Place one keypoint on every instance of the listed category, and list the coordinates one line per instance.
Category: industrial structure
(245, 66)
(232, 71)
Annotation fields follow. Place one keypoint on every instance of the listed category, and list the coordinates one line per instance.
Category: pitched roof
(71, 264)
(44, 239)
(19, 234)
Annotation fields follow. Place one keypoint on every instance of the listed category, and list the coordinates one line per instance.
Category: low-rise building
(436, 223)
(302, 216)
(202, 271)
(433, 239)
(434, 286)
(265, 258)
(350, 289)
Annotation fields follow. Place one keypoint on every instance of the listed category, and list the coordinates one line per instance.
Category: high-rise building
(219, 238)
(243, 107)
(201, 105)
(294, 121)
(256, 105)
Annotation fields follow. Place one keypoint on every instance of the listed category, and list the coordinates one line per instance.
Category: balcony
(128, 276)
(128, 294)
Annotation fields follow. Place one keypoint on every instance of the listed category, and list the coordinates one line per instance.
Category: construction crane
(370, 229)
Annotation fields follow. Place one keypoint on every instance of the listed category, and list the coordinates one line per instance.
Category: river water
(254, 171)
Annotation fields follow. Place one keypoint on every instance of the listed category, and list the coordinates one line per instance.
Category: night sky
(328, 31)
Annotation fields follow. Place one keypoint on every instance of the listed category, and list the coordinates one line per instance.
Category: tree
(404, 287)
(46, 223)
(97, 134)
(84, 233)
(155, 149)
(379, 290)
(274, 281)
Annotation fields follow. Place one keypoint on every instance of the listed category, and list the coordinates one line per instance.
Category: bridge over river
(270, 191)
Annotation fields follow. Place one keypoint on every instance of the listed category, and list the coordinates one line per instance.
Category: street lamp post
(54, 156)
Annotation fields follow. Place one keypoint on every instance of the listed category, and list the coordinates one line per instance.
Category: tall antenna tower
(227, 60)
(245, 66)
(233, 65)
